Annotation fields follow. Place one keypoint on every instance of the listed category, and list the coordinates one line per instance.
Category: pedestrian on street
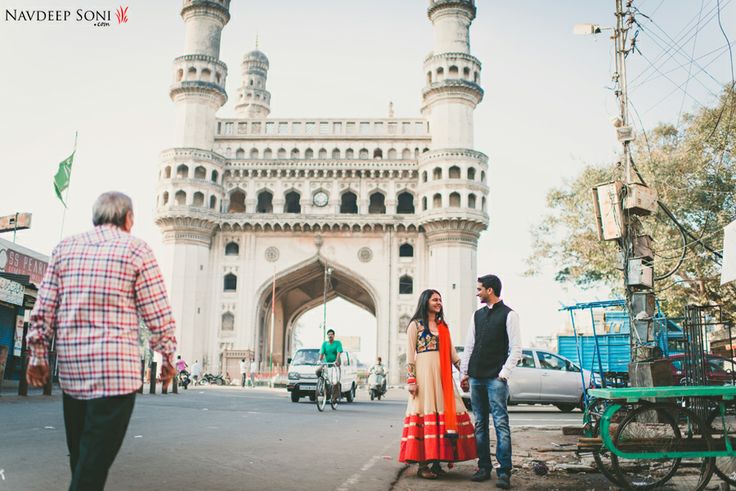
(196, 371)
(253, 370)
(96, 289)
(243, 372)
(492, 350)
(436, 427)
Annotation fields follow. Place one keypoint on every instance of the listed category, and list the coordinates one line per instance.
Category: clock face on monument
(320, 198)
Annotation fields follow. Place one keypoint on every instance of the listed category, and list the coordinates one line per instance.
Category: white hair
(111, 207)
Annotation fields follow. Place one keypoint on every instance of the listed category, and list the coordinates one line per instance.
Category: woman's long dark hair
(421, 313)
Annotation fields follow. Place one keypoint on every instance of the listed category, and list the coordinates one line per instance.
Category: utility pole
(621, 206)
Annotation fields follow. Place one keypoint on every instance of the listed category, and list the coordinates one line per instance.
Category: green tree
(694, 173)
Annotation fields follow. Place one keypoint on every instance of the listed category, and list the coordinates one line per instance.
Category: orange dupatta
(448, 385)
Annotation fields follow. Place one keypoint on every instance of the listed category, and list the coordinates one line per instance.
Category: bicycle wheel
(320, 393)
(661, 428)
(335, 395)
(724, 427)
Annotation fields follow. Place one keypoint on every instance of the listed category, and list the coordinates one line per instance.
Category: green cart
(675, 437)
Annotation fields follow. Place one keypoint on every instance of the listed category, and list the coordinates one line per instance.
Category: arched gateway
(390, 205)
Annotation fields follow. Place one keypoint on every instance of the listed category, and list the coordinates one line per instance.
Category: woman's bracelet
(411, 380)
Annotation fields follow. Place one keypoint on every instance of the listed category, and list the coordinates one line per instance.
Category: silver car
(542, 377)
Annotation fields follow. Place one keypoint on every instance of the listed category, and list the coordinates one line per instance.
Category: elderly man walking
(97, 287)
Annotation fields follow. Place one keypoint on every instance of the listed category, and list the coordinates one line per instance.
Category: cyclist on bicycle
(330, 353)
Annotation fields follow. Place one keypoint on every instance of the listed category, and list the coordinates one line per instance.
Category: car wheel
(294, 396)
(566, 407)
(350, 396)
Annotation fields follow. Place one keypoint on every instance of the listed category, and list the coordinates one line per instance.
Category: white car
(302, 374)
(542, 377)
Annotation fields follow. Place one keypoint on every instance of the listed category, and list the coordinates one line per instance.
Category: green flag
(62, 177)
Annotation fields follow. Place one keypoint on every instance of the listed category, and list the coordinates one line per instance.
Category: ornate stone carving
(272, 254)
(365, 254)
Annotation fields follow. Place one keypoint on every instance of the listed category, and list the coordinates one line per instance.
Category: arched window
(228, 322)
(424, 203)
(180, 198)
(265, 202)
(182, 172)
(483, 204)
(281, 153)
(482, 176)
(213, 202)
(454, 172)
(254, 153)
(437, 173)
(322, 153)
(471, 201)
(406, 285)
(466, 73)
(230, 284)
(377, 203)
(268, 153)
(179, 75)
(378, 153)
(200, 172)
(453, 72)
(406, 250)
(363, 154)
(309, 153)
(440, 74)
(429, 78)
(167, 172)
(424, 176)
(349, 154)
(406, 154)
(214, 176)
(191, 73)
(471, 173)
(437, 201)
(405, 203)
(454, 200)
(335, 153)
(165, 199)
(294, 153)
(240, 153)
(392, 154)
(237, 202)
(232, 249)
(349, 203)
(205, 74)
(198, 199)
(292, 204)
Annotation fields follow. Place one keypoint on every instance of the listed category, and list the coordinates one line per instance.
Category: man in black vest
(492, 350)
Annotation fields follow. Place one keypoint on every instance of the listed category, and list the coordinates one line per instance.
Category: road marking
(352, 480)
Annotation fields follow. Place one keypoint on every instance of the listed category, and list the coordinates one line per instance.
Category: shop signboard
(20, 260)
(11, 291)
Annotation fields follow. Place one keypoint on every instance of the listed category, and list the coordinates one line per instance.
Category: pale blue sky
(545, 114)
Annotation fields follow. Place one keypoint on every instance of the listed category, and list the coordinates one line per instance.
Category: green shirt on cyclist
(331, 349)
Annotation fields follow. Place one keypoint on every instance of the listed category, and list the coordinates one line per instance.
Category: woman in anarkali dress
(436, 427)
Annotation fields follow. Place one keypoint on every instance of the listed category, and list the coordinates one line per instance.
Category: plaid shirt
(96, 288)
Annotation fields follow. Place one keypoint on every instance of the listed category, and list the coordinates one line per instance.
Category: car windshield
(306, 357)
(720, 365)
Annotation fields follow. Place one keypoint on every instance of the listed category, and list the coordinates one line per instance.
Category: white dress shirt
(514, 333)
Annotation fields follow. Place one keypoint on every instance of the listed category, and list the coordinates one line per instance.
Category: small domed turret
(253, 98)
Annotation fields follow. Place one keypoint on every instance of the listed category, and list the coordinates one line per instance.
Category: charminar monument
(369, 210)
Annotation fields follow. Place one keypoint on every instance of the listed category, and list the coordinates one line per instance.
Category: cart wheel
(720, 428)
(603, 456)
(659, 428)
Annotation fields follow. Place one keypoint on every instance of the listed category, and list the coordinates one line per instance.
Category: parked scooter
(209, 379)
(184, 379)
(377, 382)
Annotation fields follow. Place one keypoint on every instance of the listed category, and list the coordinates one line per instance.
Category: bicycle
(325, 373)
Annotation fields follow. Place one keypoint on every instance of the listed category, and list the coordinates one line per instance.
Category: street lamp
(328, 272)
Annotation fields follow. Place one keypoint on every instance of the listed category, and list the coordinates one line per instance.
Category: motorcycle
(377, 382)
(209, 379)
(184, 379)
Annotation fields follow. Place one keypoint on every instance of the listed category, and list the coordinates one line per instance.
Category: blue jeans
(491, 393)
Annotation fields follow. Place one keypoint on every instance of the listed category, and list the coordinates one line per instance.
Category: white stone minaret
(190, 188)
(254, 101)
(452, 175)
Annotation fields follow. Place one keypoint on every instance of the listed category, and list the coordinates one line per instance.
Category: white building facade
(370, 210)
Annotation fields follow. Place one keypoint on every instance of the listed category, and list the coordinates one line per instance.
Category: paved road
(226, 438)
